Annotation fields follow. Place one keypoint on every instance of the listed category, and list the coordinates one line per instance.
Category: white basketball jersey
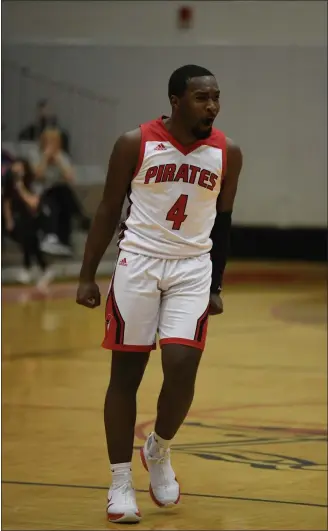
(173, 194)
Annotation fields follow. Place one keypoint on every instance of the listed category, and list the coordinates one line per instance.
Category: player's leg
(120, 409)
(180, 365)
(182, 327)
(120, 414)
(132, 311)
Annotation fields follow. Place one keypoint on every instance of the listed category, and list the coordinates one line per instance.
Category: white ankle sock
(121, 473)
(163, 443)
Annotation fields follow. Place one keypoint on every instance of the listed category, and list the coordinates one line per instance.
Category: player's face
(200, 105)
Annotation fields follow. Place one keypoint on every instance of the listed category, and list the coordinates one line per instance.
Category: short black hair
(180, 77)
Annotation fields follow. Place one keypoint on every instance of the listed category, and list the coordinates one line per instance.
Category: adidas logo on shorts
(123, 262)
(160, 147)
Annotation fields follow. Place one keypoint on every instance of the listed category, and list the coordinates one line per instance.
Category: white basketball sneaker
(163, 488)
(122, 506)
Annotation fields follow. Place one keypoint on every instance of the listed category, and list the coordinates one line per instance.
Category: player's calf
(121, 403)
(180, 365)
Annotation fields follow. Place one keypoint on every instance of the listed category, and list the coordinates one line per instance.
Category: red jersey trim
(185, 150)
(224, 157)
(155, 130)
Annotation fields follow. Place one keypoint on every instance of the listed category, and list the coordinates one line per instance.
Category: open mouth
(208, 122)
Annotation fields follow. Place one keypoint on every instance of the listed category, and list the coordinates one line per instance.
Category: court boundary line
(190, 494)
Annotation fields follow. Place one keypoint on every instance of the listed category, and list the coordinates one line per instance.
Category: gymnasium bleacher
(90, 120)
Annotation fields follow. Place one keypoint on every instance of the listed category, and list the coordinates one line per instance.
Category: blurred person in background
(6, 161)
(22, 220)
(45, 118)
(55, 177)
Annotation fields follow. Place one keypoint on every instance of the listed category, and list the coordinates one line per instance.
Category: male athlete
(180, 175)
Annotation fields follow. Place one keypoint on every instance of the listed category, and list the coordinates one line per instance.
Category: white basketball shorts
(151, 295)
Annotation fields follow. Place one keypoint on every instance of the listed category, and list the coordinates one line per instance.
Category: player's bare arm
(221, 231)
(121, 166)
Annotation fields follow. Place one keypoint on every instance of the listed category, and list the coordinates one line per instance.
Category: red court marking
(141, 430)
(286, 315)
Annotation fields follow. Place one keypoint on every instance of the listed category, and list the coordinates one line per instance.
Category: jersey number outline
(176, 214)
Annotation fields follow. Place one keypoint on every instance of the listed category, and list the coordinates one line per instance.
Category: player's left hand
(216, 304)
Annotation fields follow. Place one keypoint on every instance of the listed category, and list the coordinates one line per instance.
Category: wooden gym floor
(252, 453)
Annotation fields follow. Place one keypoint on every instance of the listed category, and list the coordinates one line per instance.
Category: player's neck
(182, 136)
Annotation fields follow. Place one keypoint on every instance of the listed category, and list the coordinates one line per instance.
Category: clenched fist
(216, 304)
(88, 294)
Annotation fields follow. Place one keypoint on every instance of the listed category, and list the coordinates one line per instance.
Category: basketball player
(180, 175)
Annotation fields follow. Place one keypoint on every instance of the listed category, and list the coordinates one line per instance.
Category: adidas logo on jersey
(123, 262)
(160, 147)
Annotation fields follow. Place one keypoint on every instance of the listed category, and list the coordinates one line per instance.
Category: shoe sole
(124, 518)
(151, 492)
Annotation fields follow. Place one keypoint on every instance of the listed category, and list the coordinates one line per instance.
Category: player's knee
(180, 364)
(126, 381)
(127, 370)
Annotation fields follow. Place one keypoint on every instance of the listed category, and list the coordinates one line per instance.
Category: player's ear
(174, 100)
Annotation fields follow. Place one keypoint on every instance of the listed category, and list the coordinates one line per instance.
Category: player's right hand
(216, 304)
(88, 294)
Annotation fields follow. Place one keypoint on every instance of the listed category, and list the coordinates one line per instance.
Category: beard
(201, 134)
(203, 129)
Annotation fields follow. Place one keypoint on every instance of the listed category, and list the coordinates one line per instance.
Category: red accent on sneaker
(143, 459)
(152, 495)
(114, 516)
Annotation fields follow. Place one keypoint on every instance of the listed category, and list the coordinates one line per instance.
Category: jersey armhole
(141, 153)
(224, 158)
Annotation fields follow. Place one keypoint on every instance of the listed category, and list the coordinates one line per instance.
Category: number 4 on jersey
(176, 214)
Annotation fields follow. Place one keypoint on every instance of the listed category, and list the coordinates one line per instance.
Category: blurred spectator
(55, 177)
(6, 161)
(22, 221)
(44, 118)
